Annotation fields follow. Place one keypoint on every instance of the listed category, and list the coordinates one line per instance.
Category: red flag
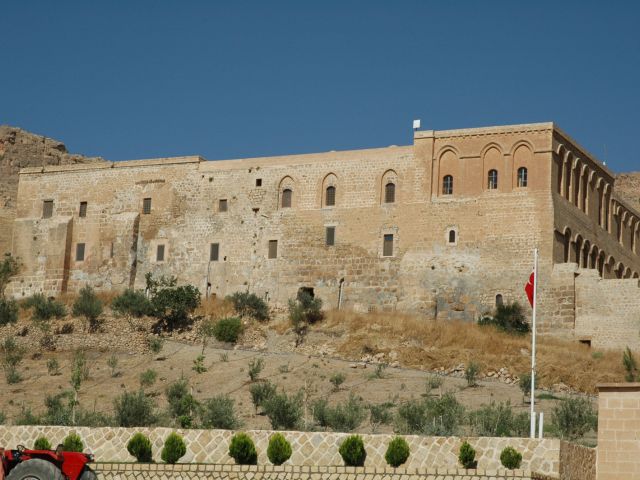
(529, 288)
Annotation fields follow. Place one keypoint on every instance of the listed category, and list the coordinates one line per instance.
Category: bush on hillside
(397, 452)
(352, 451)
(250, 305)
(261, 392)
(9, 268)
(89, 306)
(467, 456)
(284, 411)
(510, 458)
(182, 404)
(134, 410)
(499, 420)
(44, 308)
(174, 448)
(509, 318)
(8, 311)
(228, 329)
(132, 302)
(304, 311)
(573, 417)
(279, 449)
(343, 417)
(243, 450)
(218, 412)
(139, 446)
(72, 443)
(172, 305)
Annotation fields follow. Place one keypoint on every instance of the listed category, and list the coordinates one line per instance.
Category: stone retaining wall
(309, 448)
(577, 462)
(119, 471)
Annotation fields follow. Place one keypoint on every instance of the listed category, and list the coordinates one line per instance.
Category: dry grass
(430, 344)
(215, 308)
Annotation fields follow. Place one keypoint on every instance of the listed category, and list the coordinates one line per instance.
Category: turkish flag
(529, 287)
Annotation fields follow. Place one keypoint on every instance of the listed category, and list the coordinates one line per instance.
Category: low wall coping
(619, 387)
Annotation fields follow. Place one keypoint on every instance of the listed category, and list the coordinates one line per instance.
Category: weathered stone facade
(444, 227)
(310, 449)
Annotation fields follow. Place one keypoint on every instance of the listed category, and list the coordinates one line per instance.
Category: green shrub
(155, 344)
(89, 306)
(72, 443)
(380, 414)
(467, 456)
(3, 417)
(250, 305)
(174, 448)
(573, 417)
(471, 374)
(432, 416)
(260, 392)
(53, 367)
(255, 367)
(112, 363)
(148, 378)
(8, 311)
(131, 302)
(509, 318)
(630, 365)
(59, 409)
(134, 410)
(397, 452)
(525, 383)
(243, 450)
(44, 308)
(510, 458)
(228, 329)
(499, 420)
(344, 417)
(172, 305)
(352, 451)
(279, 449)
(181, 402)
(218, 412)
(9, 267)
(336, 380)
(12, 356)
(42, 443)
(284, 411)
(304, 311)
(139, 446)
(198, 364)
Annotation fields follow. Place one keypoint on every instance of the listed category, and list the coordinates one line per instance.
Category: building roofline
(462, 132)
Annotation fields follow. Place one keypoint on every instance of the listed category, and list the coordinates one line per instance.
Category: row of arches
(586, 254)
(330, 190)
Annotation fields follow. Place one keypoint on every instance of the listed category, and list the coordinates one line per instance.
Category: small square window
(222, 205)
(47, 209)
(160, 253)
(214, 253)
(273, 249)
(80, 252)
(83, 209)
(387, 246)
(146, 206)
(258, 182)
(330, 236)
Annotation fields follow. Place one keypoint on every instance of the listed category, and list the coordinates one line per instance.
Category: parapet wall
(310, 449)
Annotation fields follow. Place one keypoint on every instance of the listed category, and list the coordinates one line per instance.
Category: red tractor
(23, 464)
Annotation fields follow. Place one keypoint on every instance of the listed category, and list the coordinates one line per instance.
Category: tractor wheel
(88, 474)
(35, 469)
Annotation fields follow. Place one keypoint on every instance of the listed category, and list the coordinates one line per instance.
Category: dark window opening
(160, 253)
(305, 291)
(80, 252)
(390, 193)
(499, 300)
(522, 177)
(452, 236)
(214, 253)
(492, 180)
(83, 209)
(330, 236)
(258, 182)
(586, 343)
(222, 205)
(387, 246)
(447, 185)
(330, 198)
(47, 209)
(273, 249)
(146, 206)
(286, 198)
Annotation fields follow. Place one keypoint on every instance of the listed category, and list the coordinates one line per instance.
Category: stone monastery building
(445, 227)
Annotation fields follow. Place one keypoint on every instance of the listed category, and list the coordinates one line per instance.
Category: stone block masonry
(310, 449)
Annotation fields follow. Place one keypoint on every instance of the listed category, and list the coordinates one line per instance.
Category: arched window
(390, 193)
(447, 185)
(522, 177)
(286, 198)
(492, 180)
(330, 196)
(452, 236)
(499, 300)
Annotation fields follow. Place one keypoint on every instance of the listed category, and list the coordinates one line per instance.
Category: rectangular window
(83, 209)
(47, 209)
(160, 253)
(330, 236)
(273, 248)
(214, 253)
(146, 206)
(222, 205)
(80, 252)
(387, 246)
(258, 182)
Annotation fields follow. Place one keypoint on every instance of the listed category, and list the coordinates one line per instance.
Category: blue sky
(136, 79)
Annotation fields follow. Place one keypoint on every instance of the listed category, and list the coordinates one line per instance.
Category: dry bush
(216, 308)
(430, 344)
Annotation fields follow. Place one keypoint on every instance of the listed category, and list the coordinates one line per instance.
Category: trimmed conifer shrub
(243, 450)
(397, 452)
(467, 456)
(139, 446)
(174, 448)
(352, 451)
(72, 443)
(279, 449)
(510, 458)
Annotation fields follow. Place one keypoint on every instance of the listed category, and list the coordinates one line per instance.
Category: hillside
(20, 149)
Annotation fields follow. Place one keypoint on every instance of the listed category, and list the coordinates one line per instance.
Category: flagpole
(533, 342)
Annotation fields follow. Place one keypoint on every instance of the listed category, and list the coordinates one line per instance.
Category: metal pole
(533, 343)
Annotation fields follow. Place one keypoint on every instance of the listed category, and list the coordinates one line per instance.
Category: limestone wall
(269, 472)
(309, 448)
(577, 462)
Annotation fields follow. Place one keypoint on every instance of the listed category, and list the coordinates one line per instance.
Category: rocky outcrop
(20, 149)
